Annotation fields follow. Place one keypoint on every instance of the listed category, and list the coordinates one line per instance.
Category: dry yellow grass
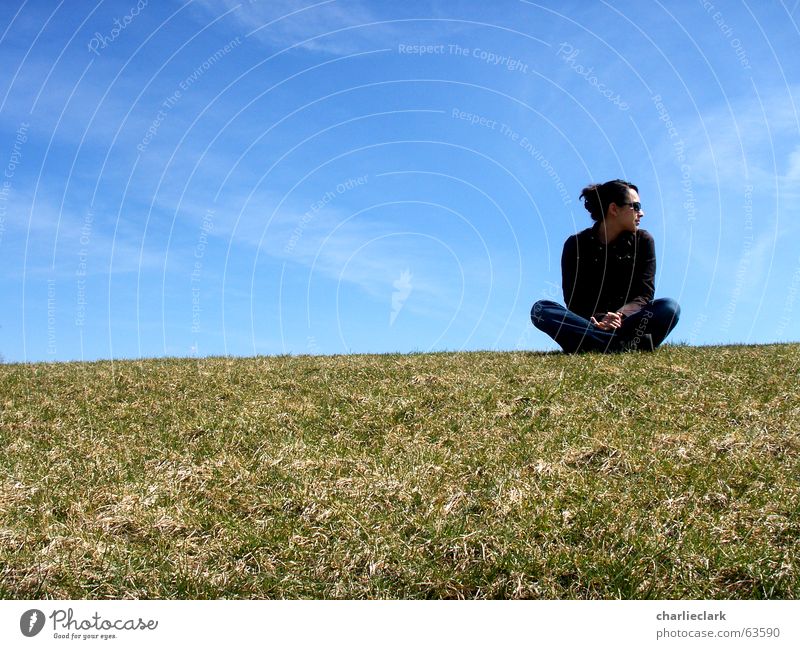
(671, 475)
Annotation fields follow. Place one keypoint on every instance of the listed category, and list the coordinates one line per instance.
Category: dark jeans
(577, 334)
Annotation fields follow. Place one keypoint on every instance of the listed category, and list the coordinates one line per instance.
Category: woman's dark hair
(597, 198)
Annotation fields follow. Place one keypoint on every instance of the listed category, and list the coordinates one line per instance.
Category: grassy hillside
(502, 475)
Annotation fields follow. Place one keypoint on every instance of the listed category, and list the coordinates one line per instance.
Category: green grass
(463, 475)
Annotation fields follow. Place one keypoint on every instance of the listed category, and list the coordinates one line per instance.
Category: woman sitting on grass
(608, 274)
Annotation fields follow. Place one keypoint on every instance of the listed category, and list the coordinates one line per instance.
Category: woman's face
(629, 217)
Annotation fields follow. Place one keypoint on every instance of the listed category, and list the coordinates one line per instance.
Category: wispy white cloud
(344, 27)
(57, 235)
(287, 23)
(743, 139)
(368, 254)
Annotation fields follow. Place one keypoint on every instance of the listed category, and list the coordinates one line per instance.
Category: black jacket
(597, 278)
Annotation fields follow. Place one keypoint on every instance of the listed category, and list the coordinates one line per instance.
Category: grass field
(454, 475)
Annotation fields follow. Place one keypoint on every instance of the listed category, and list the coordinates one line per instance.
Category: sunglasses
(636, 205)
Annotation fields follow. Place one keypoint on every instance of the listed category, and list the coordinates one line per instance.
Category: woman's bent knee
(668, 307)
(538, 308)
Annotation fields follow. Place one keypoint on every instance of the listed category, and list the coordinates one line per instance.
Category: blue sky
(219, 177)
